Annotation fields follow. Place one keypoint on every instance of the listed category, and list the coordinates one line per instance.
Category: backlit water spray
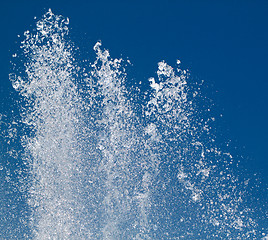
(102, 165)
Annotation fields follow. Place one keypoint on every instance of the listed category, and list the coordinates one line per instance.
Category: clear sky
(222, 42)
(225, 43)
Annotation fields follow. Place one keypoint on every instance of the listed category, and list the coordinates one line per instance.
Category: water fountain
(100, 166)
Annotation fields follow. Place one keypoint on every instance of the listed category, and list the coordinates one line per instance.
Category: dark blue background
(223, 42)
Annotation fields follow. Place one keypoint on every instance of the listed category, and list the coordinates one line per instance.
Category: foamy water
(103, 166)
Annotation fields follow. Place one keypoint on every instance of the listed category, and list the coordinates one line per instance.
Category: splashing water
(102, 167)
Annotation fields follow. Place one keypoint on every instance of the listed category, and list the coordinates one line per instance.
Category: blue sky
(222, 42)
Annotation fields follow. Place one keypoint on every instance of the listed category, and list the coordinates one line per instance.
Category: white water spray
(99, 169)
